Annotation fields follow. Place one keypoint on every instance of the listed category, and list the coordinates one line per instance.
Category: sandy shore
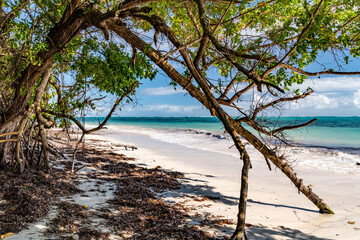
(210, 189)
(107, 198)
(275, 209)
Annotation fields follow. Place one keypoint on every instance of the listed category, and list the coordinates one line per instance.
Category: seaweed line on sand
(108, 198)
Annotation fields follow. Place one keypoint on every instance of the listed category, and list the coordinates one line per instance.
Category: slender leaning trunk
(239, 233)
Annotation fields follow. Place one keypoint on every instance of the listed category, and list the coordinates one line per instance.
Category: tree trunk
(57, 38)
(3, 153)
(45, 147)
(283, 166)
(155, 56)
(239, 233)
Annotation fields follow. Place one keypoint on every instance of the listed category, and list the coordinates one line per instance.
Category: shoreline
(114, 199)
(275, 208)
(327, 131)
(210, 187)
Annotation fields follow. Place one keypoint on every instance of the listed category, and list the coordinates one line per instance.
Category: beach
(275, 209)
(209, 185)
(179, 120)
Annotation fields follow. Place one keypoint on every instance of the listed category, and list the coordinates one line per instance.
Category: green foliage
(110, 68)
(262, 29)
(248, 26)
(103, 67)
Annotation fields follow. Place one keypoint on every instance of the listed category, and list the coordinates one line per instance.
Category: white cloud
(356, 99)
(162, 91)
(262, 99)
(171, 108)
(333, 84)
(165, 108)
(324, 102)
(317, 101)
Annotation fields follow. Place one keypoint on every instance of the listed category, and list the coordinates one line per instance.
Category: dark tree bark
(56, 40)
(80, 15)
(231, 125)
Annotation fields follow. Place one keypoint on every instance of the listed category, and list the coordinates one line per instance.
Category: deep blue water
(326, 131)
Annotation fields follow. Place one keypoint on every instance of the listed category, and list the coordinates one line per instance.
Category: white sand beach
(211, 184)
(275, 209)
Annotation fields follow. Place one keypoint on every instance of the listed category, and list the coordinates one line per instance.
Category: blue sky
(334, 96)
(158, 98)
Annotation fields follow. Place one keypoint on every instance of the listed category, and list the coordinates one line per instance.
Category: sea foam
(339, 160)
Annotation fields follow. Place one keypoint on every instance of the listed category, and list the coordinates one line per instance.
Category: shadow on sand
(262, 232)
(282, 206)
(196, 187)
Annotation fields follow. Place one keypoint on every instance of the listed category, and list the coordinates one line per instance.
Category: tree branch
(298, 70)
(178, 49)
(293, 127)
(238, 94)
(192, 17)
(262, 107)
(269, 70)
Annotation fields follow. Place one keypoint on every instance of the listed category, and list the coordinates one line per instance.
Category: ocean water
(330, 143)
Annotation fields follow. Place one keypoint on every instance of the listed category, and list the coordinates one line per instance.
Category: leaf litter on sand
(134, 212)
(27, 197)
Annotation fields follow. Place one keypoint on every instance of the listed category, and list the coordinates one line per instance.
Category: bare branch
(298, 70)
(228, 88)
(192, 17)
(293, 127)
(238, 94)
(262, 107)
(249, 11)
(201, 51)
(178, 49)
(214, 61)
(223, 16)
(9, 133)
(303, 32)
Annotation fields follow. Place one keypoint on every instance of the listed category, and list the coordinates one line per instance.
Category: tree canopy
(258, 48)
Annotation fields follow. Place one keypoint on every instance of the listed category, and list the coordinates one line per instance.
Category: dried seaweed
(134, 213)
(27, 197)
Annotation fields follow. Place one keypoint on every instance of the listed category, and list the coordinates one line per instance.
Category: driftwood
(124, 146)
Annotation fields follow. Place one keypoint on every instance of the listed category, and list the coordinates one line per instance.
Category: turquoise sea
(333, 132)
(330, 143)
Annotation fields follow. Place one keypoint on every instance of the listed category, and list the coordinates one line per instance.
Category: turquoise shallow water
(337, 132)
(331, 143)
(203, 123)
(325, 132)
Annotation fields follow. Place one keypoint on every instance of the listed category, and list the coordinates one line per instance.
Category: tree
(35, 55)
(256, 46)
